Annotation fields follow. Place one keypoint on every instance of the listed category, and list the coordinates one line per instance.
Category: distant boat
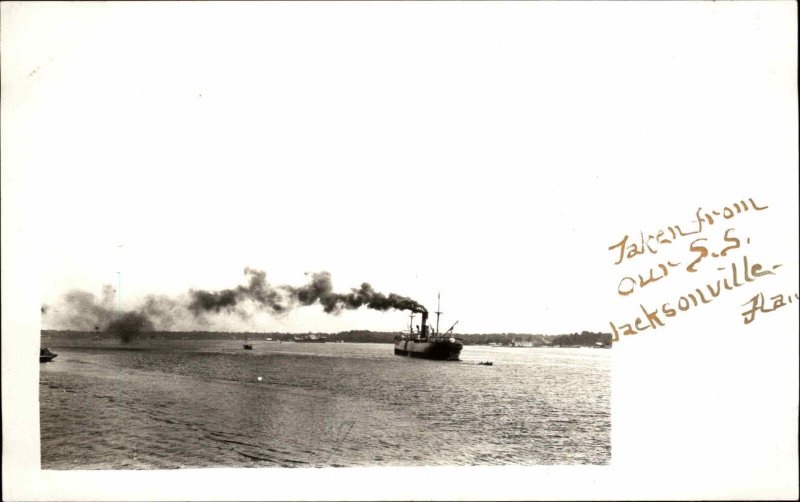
(45, 356)
(246, 345)
(310, 339)
(486, 363)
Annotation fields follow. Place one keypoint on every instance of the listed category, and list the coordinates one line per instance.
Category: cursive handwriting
(672, 233)
(758, 304)
(625, 288)
(652, 317)
(703, 251)
(628, 285)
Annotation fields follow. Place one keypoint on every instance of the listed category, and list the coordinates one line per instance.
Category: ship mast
(411, 324)
(438, 309)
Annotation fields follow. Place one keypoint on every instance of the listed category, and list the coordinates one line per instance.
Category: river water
(168, 404)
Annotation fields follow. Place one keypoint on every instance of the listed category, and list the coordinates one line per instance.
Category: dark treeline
(583, 339)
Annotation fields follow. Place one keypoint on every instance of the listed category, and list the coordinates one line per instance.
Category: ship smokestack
(424, 324)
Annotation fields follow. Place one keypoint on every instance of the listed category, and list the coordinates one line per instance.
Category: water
(170, 404)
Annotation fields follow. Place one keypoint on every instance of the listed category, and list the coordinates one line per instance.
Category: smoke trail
(129, 324)
(257, 290)
(320, 289)
(283, 298)
(82, 310)
(163, 311)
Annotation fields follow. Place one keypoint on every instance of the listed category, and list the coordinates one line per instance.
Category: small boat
(45, 356)
(486, 363)
(247, 346)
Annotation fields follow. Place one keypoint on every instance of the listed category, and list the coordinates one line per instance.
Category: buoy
(259, 379)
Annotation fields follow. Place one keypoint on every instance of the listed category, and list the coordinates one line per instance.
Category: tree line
(583, 339)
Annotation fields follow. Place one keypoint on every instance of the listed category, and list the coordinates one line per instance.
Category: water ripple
(198, 404)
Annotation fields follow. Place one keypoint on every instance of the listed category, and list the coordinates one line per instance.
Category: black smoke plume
(321, 289)
(129, 324)
(280, 299)
(227, 300)
(82, 310)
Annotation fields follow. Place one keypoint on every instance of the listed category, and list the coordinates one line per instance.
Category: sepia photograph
(122, 393)
(399, 250)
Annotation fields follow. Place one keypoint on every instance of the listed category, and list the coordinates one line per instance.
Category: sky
(161, 154)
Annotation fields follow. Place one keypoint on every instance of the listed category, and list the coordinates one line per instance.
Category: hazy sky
(495, 166)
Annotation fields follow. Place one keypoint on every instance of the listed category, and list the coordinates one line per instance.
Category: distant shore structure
(311, 339)
(521, 343)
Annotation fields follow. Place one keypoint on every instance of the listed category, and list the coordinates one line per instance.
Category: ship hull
(45, 356)
(444, 350)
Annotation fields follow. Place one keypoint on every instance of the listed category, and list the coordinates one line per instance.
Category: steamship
(428, 343)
